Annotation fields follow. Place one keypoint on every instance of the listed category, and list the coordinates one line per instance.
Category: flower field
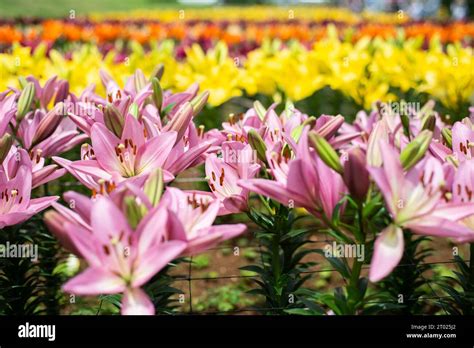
(240, 160)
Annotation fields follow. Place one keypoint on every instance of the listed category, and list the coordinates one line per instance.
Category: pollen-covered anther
(222, 176)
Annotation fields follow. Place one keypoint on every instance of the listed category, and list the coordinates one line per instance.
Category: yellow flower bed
(364, 71)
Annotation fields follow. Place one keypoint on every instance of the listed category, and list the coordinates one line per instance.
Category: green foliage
(30, 286)
(407, 279)
(281, 270)
(460, 288)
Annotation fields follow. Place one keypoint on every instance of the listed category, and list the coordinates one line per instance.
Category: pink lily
(192, 217)
(15, 203)
(463, 193)
(121, 260)
(310, 184)
(118, 159)
(41, 174)
(237, 163)
(415, 202)
(7, 111)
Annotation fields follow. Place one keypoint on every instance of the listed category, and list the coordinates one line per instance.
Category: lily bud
(24, 102)
(331, 127)
(55, 223)
(133, 211)
(62, 92)
(139, 80)
(310, 121)
(23, 82)
(180, 121)
(430, 123)
(153, 187)
(356, 175)
(257, 143)
(158, 72)
(259, 109)
(447, 136)
(5, 144)
(325, 151)
(199, 102)
(157, 95)
(405, 120)
(416, 149)
(114, 120)
(297, 131)
(48, 123)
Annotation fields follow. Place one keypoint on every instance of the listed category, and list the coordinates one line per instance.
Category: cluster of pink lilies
(139, 138)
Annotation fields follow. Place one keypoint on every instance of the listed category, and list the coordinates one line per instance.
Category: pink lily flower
(463, 141)
(192, 216)
(118, 159)
(237, 163)
(16, 206)
(309, 184)
(41, 174)
(415, 202)
(463, 193)
(122, 260)
(7, 112)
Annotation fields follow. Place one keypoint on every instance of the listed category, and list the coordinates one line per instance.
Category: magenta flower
(121, 260)
(16, 206)
(309, 184)
(463, 193)
(238, 162)
(117, 159)
(41, 174)
(7, 112)
(415, 202)
(463, 141)
(192, 216)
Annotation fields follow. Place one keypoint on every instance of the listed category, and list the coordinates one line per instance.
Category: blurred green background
(61, 8)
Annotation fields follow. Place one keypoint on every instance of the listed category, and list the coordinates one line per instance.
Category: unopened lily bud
(49, 123)
(153, 187)
(257, 143)
(180, 121)
(416, 149)
(139, 80)
(259, 109)
(133, 211)
(331, 127)
(199, 102)
(62, 92)
(297, 131)
(114, 120)
(356, 176)
(5, 144)
(447, 136)
(23, 82)
(55, 223)
(158, 72)
(24, 102)
(405, 120)
(310, 121)
(430, 123)
(157, 95)
(325, 151)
